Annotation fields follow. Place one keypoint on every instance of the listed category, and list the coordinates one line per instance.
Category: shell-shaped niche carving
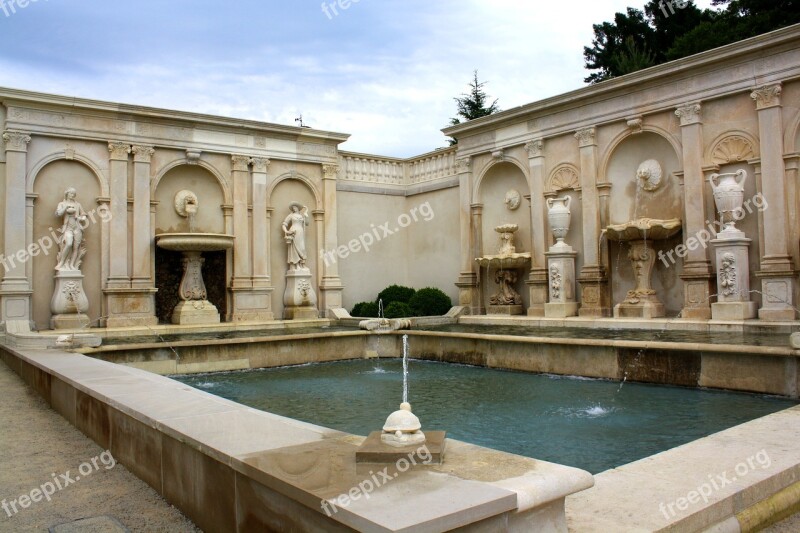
(563, 177)
(732, 149)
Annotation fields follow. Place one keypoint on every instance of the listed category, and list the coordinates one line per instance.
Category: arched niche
(491, 192)
(628, 201)
(49, 185)
(210, 218)
(286, 191)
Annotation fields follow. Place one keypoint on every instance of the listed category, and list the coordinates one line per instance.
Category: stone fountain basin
(504, 261)
(194, 242)
(644, 229)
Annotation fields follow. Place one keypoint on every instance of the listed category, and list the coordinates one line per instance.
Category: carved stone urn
(729, 196)
(559, 216)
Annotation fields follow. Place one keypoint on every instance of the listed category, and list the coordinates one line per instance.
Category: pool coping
(164, 431)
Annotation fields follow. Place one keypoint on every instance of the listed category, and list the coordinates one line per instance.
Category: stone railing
(366, 168)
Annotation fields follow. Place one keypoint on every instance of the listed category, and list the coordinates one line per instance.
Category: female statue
(71, 245)
(295, 234)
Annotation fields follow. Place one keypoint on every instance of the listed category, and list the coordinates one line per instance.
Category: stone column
(697, 274)
(777, 271)
(249, 303)
(118, 277)
(135, 305)
(330, 289)
(141, 216)
(537, 280)
(15, 288)
(260, 236)
(467, 283)
(241, 228)
(595, 300)
(476, 231)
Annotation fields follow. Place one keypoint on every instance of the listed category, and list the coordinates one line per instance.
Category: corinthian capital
(767, 96)
(142, 153)
(585, 137)
(16, 141)
(240, 162)
(119, 150)
(689, 114)
(260, 164)
(535, 148)
(330, 172)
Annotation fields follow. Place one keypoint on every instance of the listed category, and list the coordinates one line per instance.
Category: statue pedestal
(69, 303)
(299, 298)
(733, 277)
(195, 312)
(561, 282)
(504, 310)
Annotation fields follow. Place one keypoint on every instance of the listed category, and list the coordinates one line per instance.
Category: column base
(195, 312)
(595, 300)
(697, 290)
(469, 294)
(733, 310)
(330, 293)
(777, 294)
(251, 305)
(560, 310)
(15, 305)
(537, 291)
(130, 307)
(649, 306)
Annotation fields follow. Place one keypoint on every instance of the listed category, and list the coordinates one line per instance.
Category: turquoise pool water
(590, 424)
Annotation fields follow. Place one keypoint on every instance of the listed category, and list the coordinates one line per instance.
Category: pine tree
(472, 105)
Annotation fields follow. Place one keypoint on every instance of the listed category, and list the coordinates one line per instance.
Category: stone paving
(36, 443)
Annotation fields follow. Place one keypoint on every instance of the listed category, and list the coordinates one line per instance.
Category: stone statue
(507, 294)
(727, 275)
(294, 231)
(72, 248)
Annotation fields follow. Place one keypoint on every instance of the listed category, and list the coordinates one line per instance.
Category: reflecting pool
(586, 423)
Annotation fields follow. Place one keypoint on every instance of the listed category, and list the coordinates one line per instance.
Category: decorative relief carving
(563, 177)
(260, 142)
(733, 149)
(649, 175)
(591, 295)
(727, 274)
(535, 148)
(585, 137)
(498, 155)
(316, 149)
(240, 162)
(767, 96)
(689, 114)
(16, 141)
(555, 281)
(119, 150)
(142, 153)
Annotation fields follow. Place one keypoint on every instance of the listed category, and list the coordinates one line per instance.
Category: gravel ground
(36, 442)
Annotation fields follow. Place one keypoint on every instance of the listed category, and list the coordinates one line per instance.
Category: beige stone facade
(421, 221)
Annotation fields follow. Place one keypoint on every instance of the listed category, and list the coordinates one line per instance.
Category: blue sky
(385, 71)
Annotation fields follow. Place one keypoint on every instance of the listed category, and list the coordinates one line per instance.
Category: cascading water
(405, 368)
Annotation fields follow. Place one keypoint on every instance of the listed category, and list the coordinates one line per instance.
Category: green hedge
(430, 301)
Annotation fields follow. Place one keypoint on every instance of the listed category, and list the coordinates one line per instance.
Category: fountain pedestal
(561, 282)
(194, 307)
(69, 303)
(299, 298)
(507, 301)
(733, 277)
(642, 301)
